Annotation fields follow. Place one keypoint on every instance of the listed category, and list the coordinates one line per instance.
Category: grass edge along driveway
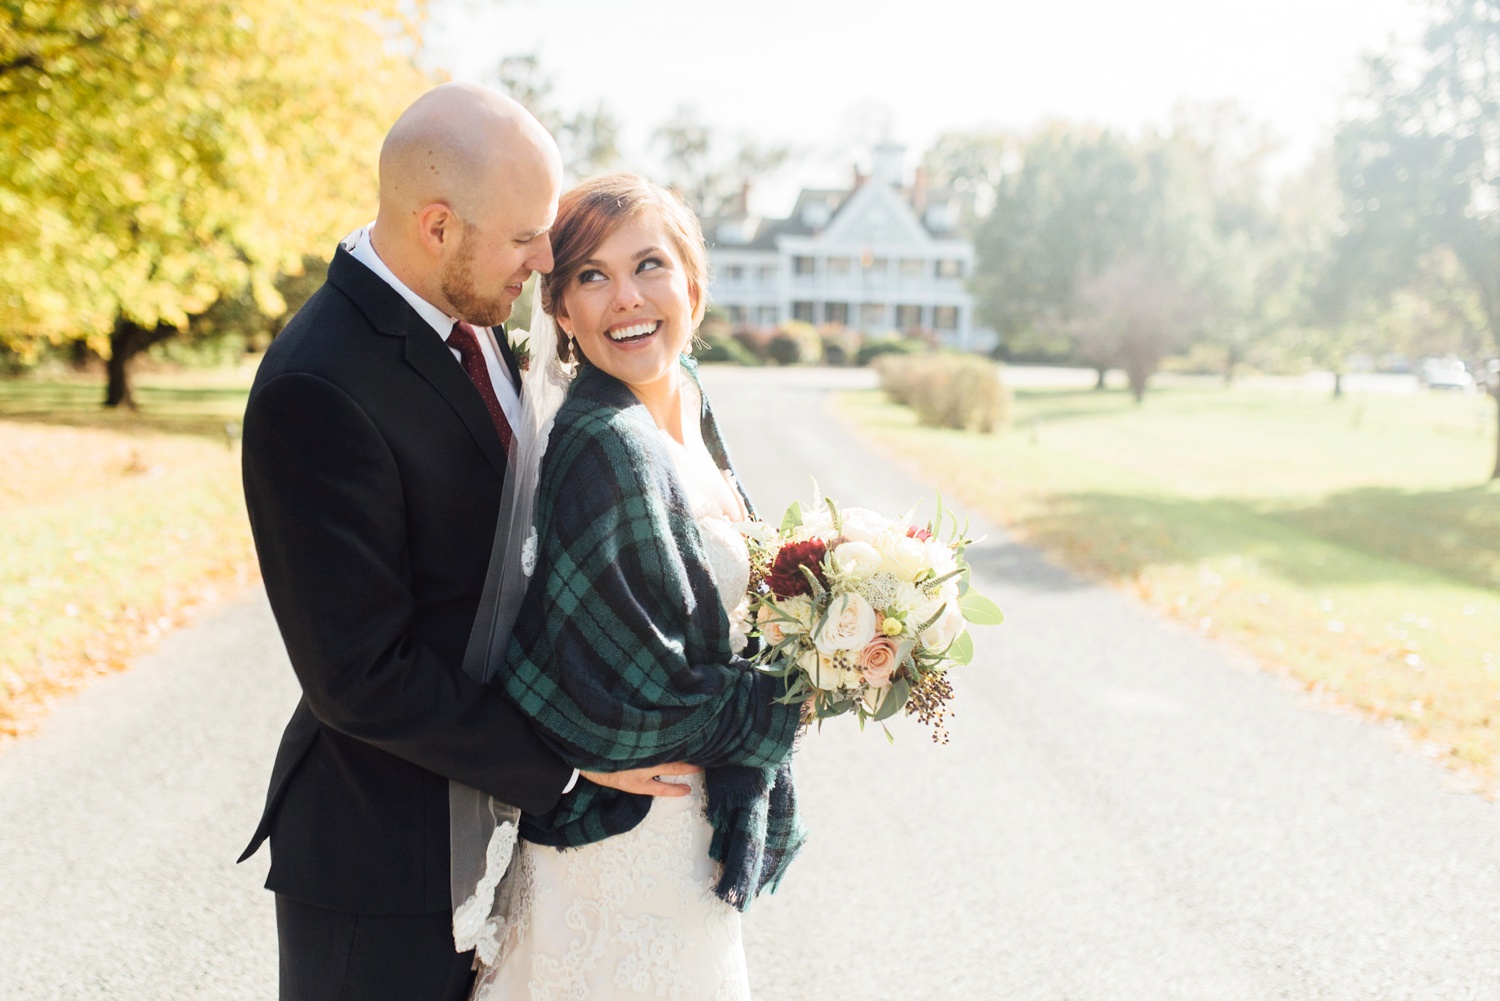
(1351, 545)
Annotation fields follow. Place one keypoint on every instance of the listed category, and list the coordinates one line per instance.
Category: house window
(836, 312)
(912, 267)
(734, 272)
(950, 268)
(872, 316)
(768, 274)
(802, 265)
(765, 316)
(735, 314)
(875, 265)
(945, 317)
(908, 317)
(838, 265)
(803, 311)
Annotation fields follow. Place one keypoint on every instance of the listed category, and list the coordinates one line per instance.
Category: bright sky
(823, 75)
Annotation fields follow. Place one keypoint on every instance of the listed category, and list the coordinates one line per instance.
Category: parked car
(1445, 373)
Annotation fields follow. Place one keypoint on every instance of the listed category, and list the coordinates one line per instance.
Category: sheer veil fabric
(482, 829)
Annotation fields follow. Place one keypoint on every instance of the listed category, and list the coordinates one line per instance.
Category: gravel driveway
(1125, 810)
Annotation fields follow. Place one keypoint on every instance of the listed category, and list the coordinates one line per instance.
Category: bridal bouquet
(866, 612)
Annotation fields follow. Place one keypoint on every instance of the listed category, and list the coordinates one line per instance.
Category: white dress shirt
(362, 250)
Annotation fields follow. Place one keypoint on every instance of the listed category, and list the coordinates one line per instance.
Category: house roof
(814, 211)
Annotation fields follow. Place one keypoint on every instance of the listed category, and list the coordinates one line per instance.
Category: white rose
(945, 630)
(821, 670)
(849, 625)
(904, 557)
(850, 678)
(861, 525)
(858, 559)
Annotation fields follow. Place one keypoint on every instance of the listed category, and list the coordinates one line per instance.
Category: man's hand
(645, 781)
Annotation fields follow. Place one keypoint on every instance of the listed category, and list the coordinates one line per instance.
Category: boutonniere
(520, 344)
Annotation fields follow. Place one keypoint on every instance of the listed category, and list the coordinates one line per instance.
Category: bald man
(374, 459)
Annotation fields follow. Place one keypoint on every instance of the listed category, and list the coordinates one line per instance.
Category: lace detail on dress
(473, 927)
(528, 553)
(729, 560)
(633, 916)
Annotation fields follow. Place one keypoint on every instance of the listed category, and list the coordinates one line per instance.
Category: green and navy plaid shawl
(620, 652)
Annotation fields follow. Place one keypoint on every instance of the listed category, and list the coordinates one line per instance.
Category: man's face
(497, 252)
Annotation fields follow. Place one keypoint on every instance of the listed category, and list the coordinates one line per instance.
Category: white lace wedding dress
(635, 915)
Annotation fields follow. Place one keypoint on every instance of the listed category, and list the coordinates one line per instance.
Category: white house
(881, 257)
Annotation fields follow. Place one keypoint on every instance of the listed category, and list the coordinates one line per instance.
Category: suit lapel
(425, 351)
(502, 341)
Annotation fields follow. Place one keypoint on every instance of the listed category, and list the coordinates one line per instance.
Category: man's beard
(457, 285)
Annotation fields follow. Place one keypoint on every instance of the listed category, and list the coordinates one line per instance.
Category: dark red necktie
(464, 341)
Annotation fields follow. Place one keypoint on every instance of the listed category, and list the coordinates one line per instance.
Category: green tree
(972, 166)
(160, 155)
(1420, 164)
(1242, 255)
(1065, 211)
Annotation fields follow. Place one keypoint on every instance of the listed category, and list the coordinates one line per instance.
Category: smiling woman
(618, 629)
(627, 285)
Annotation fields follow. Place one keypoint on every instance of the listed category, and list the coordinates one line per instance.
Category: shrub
(890, 346)
(795, 343)
(754, 341)
(716, 347)
(963, 392)
(840, 344)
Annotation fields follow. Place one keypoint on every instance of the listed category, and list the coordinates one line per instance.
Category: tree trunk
(1338, 385)
(127, 340)
(1495, 395)
(1099, 382)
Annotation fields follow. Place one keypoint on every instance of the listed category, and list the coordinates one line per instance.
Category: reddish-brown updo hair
(589, 213)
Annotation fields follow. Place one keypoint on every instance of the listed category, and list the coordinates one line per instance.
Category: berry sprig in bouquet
(866, 612)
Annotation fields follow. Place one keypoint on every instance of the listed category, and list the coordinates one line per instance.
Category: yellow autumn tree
(157, 155)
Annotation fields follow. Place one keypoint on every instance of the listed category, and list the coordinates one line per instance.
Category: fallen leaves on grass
(113, 539)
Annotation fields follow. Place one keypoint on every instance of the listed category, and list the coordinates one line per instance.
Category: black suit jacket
(373, 476)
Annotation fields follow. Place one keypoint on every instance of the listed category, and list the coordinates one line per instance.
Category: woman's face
(631, 307)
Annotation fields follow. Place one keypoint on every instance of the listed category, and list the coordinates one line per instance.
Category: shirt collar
(360, 247)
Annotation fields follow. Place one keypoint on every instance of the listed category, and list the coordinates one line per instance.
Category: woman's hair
(589, 213)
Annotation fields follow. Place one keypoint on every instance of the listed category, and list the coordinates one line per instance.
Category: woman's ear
(699, 301)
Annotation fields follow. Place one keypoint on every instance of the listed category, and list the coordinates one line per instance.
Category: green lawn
(1353, 544)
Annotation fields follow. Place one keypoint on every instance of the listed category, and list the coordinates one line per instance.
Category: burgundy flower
(785, 579)
(920, 534)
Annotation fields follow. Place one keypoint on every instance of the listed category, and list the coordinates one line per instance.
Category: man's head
(469, 182)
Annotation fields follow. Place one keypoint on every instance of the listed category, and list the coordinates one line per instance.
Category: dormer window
(815, 215)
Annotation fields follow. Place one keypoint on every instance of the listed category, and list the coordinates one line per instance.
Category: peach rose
(877, 661)
(770, 625)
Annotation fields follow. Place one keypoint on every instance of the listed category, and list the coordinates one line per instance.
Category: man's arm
(326, 507)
